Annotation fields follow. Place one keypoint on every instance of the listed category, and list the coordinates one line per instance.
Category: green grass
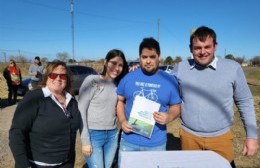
(254, 75)
(255, 90)
(253, 79)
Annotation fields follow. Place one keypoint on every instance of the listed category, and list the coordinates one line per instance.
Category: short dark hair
(202, 33)
(37, 58)
(150, 43)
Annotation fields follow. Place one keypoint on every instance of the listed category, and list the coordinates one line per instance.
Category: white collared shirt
(212, 65)
(47, 93)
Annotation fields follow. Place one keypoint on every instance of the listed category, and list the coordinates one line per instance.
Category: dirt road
(6, 157)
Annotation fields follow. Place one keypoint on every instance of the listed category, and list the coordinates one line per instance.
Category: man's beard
(150, 72)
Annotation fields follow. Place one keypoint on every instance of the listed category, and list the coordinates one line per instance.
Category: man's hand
(87, 150)
(134, 67)
(250, 147)
(126, 127)
(161, 118)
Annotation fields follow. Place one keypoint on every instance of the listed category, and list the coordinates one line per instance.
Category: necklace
(61, 99)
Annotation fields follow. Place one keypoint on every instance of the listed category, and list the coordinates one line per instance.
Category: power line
(88, 14)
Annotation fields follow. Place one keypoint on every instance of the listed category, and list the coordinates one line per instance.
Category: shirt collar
(47, 93)
(212, 65)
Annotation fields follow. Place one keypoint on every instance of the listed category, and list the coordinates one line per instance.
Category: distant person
(45, 123)
(13, 77)
(97, 104)
(36, 71)
(209, 86)
(154, 84)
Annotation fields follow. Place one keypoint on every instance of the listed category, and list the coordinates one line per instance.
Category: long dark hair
(112, 54)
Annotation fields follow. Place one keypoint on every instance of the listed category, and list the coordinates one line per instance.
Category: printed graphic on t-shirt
(147, 90)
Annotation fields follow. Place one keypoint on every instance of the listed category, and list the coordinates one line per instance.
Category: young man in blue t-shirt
(154, 84)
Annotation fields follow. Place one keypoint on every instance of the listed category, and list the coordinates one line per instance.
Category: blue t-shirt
(159, 87)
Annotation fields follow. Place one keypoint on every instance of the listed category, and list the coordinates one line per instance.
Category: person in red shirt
(13, 77)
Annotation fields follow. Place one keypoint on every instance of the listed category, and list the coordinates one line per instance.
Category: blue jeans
(104, 145)
(126, 146)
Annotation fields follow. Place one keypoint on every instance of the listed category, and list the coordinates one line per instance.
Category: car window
(163, 68)
(85, 70)
(170, 67)
(73, 70)
(81, 70)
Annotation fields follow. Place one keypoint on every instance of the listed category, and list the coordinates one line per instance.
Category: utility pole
(158, 33)
(72, 25)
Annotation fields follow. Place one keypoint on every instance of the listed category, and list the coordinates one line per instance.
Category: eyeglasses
(55, 75)
(114, 64)
(11, 63)
(67, 113)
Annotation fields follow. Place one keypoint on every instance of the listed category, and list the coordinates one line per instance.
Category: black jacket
(41, 131)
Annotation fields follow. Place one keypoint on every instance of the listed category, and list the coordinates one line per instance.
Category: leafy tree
(72, 61)
(230, 56)
(63, 56)
(178, 59)
(168, 60)
(162, 61)
(255, 61)
(240, 60)
(44, 59)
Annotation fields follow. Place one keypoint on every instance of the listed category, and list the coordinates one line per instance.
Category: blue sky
(43, 27)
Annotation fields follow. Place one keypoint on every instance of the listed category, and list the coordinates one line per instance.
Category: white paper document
(172, 159)
(141, 116)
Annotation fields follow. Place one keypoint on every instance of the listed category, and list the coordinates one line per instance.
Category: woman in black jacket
(45, 123)
(13, 77)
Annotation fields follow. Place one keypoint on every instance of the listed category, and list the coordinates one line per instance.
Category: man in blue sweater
(208, 87)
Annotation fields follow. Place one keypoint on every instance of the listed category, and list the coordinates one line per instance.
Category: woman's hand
(87, 150)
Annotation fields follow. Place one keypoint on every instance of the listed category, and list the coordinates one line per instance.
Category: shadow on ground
(4, 103)
(173, 143)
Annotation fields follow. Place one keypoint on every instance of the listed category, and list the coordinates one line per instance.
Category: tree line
(64, 56)
(255, 61)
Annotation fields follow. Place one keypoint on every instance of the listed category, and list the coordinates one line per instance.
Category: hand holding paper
(161, 118)
(126, 127)
(141, 117)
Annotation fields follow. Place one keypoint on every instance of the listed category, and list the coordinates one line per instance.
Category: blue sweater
(208, 95)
